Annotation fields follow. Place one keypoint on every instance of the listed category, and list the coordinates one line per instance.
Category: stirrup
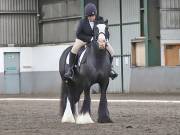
(113, 74)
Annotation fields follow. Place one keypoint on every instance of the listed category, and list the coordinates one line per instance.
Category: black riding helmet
(90, 9)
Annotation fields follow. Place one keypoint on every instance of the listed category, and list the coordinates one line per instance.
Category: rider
(84, 35)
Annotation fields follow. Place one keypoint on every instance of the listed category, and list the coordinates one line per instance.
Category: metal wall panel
(129, 32)
(170, 34)
(115, 85)
(51, 10)
(18, 29)
(59, 31)
(170, 19)
(170, 3)
(55, 32)
(72, 26)
(131, 11)
(74, 8)
(170, 14)
(59, 18)
(18, 5)
(115, 38)
(18, 22)
(109, 9)
(131, 15)
(61, 8)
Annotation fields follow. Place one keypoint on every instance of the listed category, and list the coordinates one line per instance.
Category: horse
(95, 69)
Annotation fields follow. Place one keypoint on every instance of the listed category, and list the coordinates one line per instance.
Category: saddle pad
(79, 58)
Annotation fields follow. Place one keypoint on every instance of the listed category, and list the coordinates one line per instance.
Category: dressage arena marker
(94, 100)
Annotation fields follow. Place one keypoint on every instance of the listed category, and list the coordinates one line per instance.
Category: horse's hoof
(84, 119)
(68, 120)
(105, 120)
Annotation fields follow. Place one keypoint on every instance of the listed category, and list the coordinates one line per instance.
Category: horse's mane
(99, 20)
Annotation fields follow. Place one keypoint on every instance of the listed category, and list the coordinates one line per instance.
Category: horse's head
(101, 33)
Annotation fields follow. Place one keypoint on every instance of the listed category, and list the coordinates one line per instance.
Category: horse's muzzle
(101, 41)
(102, 45)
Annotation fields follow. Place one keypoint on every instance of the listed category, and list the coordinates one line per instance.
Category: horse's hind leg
(67, 105)
(103, 112)
(85, 113)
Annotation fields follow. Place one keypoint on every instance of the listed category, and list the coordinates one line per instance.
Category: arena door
(12, 72)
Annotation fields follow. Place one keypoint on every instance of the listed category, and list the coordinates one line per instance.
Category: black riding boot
(113, 73)
(70, 73)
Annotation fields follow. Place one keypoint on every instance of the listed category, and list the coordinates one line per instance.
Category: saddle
(80, 58)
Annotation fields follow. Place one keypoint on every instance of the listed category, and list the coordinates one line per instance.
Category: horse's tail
(63, 97)
(64, 86)
(62, 62)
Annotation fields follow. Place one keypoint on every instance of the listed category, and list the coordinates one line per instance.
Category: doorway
(12, 72)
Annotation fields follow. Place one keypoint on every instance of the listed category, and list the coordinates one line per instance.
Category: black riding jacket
(84, 31)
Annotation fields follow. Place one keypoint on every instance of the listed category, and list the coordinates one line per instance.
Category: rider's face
(92, 18)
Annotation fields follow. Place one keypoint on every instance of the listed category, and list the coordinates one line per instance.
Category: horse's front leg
(85, 113)
(103, 112)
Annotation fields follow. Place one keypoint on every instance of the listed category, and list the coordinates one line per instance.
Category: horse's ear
(106, 21)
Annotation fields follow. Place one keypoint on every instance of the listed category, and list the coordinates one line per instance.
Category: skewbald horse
(95, 69)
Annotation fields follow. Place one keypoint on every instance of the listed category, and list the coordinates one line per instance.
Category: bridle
(102, 34)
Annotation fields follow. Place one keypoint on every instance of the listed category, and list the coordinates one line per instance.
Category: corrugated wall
(59, 19)
(131, 23)
(18, 5)
(170, 14)
(18, 22)
(110, 10)
(170, 19)
(131, 11)
(130, 30)
(129, 33)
